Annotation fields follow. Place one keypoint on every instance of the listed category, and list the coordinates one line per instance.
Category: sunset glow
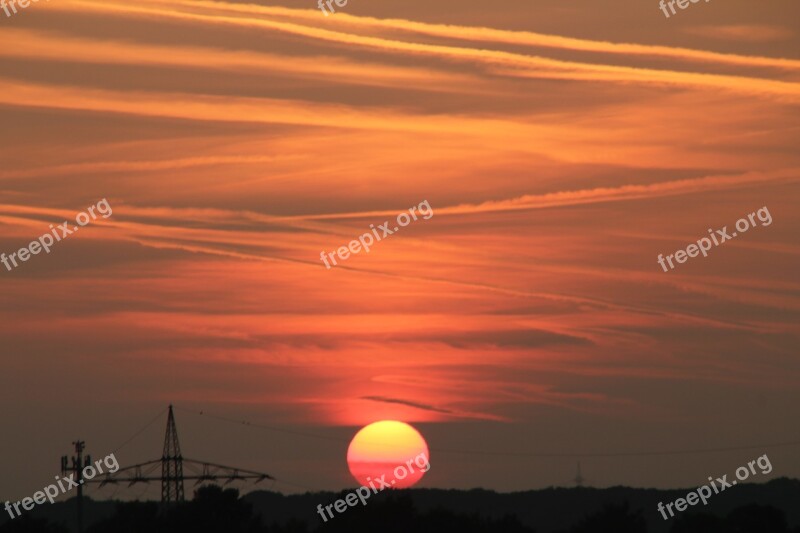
(563, 146)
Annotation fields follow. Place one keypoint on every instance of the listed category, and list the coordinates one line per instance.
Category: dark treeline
(214, 510)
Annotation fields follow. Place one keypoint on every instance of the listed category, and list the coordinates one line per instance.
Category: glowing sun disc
(388, 448)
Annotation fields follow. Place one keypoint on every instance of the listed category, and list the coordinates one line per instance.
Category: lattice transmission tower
(171, 464)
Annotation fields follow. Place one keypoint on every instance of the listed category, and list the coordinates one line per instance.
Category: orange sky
(561, 146)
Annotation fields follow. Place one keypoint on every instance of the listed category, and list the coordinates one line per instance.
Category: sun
(389, 450)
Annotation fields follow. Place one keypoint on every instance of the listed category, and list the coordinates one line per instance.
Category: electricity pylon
(172, 465)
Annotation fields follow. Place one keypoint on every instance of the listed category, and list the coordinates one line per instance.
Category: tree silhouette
(26, 524)
(213, 510)
(757, 519)
(745, 519)
(700, 523)
(130, 517)
(612, 519)
(397, 514)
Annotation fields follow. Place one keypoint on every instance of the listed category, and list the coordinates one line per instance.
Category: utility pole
(78, 463)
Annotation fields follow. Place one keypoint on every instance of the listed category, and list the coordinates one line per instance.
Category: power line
(518, 454)
(627, 454)
(159, 415)
(270, 428)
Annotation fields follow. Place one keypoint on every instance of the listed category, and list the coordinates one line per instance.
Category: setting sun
(388, 448)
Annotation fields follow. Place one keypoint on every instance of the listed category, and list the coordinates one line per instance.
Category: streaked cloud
(237, 142)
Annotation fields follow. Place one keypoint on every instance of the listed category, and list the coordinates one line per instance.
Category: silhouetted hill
(548, 510)
(772, 507)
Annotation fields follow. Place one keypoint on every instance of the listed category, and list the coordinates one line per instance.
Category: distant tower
(578, 477)
(171, 464)
(79, 462)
